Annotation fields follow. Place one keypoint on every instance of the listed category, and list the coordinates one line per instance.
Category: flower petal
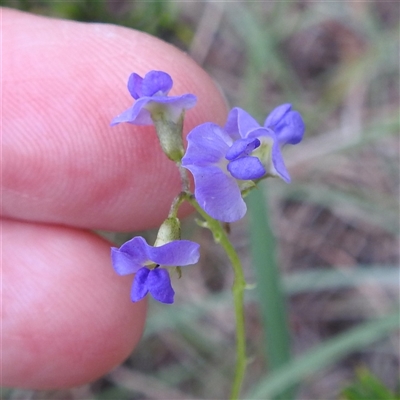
(140, 284)
(246, 168)
(176, 253)
(123, 263)
(218, 193)
(159, 285)
(239, 123)
(278, 163)
(130, 257)
(173, 105)
(136, 247)
(242, 147)
(140, 112)
(207, 144)
(155, 82)
(276, 115)
(135, 85)
(288, 125)
(137, 114)
(291, 128)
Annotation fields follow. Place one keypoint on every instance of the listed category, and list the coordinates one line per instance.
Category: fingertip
(67, 317)
(64, 163)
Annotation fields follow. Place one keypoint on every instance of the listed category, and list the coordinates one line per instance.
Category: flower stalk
(184, 177)
(238, 287)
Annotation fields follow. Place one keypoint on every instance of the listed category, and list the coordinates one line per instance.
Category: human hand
(66, 317)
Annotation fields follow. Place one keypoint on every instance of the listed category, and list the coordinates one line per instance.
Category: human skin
(66, 315)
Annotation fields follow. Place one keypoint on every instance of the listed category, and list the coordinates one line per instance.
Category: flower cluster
(225, 162)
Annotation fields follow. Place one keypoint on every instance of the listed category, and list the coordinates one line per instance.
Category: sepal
(169, 133)
(169, 231)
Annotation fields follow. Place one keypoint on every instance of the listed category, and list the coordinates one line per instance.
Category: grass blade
(269, 284)
(324, 355)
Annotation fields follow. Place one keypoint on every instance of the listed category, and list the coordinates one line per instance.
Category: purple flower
(226, 161)
(151, 95)
(136, 256)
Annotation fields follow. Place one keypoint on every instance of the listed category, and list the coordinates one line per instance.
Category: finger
(67, 317)
(63, 82)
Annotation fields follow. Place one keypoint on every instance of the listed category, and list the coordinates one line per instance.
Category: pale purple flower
(147, 262)
(226, 161)
(151, 95)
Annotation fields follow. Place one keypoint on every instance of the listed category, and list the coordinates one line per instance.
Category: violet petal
(159, 285)
(140, 285)
(207, 143)
(139, 113)
(239, 122)
(136, 114)
(218, 193)
(278, 163)
(123, 263)
(135, 85)
(242, 147)
(176, 253)
(291, 128)
(276, 115)
(173, 105)
(130, 256)
(246, 168)
(155, 82)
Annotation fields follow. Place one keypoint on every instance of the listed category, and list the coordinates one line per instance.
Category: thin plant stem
(176, 203)
(184, 177)
(238, 287)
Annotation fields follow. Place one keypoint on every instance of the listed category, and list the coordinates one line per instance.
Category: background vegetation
(323, 320)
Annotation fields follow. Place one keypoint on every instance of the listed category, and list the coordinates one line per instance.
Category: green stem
(239, 284)
(184, 177)
(176, 203)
